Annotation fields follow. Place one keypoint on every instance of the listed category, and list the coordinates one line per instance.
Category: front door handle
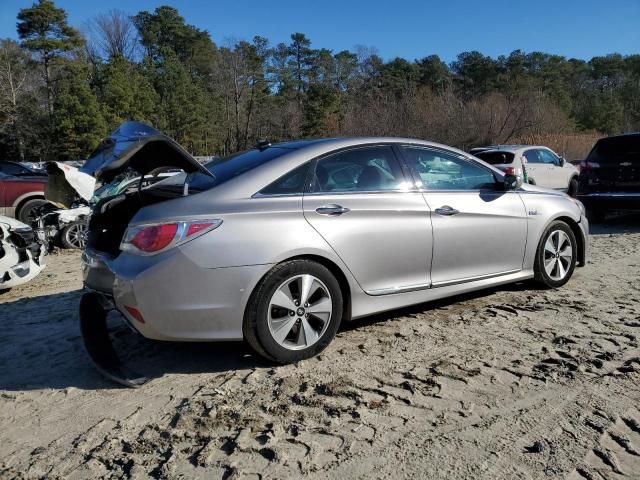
(332, 210)
(446, 210)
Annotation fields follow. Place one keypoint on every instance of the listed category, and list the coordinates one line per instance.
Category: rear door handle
(332, 210)
(446, 210)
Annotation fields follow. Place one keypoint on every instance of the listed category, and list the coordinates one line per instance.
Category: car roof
(510, 148)
(329, 144)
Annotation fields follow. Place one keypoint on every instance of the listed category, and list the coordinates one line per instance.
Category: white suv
(535, 164)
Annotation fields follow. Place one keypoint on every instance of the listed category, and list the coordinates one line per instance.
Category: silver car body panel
(391, 248)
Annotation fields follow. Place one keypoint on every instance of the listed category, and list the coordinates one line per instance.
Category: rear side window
(532, 156)
(496, 158)
(439, 170)
(291, 183)
(366, 169)
(616, 149)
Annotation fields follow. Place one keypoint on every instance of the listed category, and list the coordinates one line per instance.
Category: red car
(20, 191)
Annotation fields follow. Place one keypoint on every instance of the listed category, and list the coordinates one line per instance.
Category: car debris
(21, 254)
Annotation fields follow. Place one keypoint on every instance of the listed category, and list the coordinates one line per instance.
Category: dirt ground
(508, 383)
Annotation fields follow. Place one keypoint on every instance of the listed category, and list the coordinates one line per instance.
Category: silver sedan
(280, 244)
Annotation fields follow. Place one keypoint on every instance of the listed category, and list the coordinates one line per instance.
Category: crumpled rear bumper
(170, 297)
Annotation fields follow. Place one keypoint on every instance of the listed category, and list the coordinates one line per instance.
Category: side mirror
(512, 182)
(562, 161)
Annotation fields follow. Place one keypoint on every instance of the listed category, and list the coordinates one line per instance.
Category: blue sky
(410, 29)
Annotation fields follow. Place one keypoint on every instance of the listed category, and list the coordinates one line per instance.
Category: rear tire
(277, 324)
(24, 213)
(556, 255)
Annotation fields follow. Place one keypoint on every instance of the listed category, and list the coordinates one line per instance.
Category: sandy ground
(509, 383)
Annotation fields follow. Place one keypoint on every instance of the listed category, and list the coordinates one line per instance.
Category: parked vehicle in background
(21, 254)
(66, 228)
(18, 169)
(280, 243)
(610, 176)
(20, 195)
(537, 165)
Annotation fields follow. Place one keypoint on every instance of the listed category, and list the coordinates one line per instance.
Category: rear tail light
(586, 166)
(512, 171)
(154, 238)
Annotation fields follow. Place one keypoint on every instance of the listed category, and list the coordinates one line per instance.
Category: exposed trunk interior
(111, 216)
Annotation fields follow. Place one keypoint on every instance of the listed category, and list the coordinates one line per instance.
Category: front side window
(549, 158)
(438, 170)
(367, 169)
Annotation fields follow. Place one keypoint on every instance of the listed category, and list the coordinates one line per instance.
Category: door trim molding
(447, 283)
(392, 290)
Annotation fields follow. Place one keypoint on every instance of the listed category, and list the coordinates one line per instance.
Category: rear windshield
(615, 149)
(496, 158)
(226, 168)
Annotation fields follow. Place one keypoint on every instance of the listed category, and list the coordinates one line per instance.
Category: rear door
(479, 230)
(363, 206)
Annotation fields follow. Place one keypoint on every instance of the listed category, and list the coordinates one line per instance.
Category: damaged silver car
(279, 244)
(21, 254)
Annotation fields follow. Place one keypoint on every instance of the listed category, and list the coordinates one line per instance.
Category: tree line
(63, 89)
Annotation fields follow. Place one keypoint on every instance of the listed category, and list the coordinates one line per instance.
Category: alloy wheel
(558, 255)
(77, 235)
(299, 312)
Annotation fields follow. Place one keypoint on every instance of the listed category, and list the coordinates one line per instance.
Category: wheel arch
(345, 287)
(20, 201)
(577, 232)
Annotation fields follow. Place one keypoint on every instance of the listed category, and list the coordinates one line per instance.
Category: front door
(363, 207)
(478, 229)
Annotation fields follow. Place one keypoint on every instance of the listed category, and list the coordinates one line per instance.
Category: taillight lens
(586, 166)
(512, 171)
(155, 238)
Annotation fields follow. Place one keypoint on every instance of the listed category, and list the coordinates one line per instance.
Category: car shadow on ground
(616, 224)
(41, 348)
(436, 304)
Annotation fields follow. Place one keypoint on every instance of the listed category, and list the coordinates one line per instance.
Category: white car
(21, 254)
(536, 164)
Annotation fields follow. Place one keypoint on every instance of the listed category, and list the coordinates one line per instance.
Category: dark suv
(610, 176)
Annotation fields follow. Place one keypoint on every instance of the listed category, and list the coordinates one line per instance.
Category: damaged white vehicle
(21, 254)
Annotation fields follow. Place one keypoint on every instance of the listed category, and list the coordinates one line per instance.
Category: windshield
(496, 158)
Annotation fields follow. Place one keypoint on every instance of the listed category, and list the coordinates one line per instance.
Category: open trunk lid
(139, 147)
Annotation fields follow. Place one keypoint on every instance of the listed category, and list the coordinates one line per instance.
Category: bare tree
(16, 79)
(112, 34)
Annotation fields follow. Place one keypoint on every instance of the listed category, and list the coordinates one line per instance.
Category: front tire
(74, 235)
(294, 312)
(572, 191)
(27, 208)
(556, 255)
